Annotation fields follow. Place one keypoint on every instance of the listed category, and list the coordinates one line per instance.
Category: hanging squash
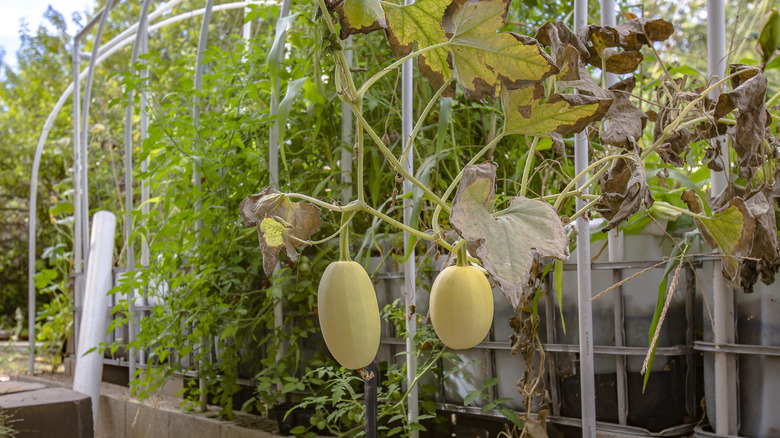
(349, 314)
(461, 306)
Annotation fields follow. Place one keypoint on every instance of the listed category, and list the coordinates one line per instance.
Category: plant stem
(344, 237)
(395, 223)
(378, 75)
(564, 194)
(527, 169)
(360, 159)
(331, 207)
(422, 118)
(666, 72)
(682, 210)
(393, 161)
(419, 375)
(671, 127)
(583, 210)
(327, 239)
(463, 254)
(773, 99)
(456, 180)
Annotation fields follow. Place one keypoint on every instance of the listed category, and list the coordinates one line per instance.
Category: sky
(11, 11)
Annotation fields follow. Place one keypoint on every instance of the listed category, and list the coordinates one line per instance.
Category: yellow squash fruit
(461, 306)
(349, 314)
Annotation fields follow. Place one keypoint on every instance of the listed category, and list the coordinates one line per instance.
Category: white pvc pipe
(410, 268)
(89, 366)
(616, 250)
(723, 305)
(584, 292)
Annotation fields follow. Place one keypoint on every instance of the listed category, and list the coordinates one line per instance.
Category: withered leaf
(626, 121)
(623, 189)
(566, 48)
(729, 229)
(619, 63)
(280, 223)
(747, 95)
(526, 112)
(765, 252)
(482, 58)
(643, 32)
(677, 144)
(359, 16)
(504, 244)
(421, 22)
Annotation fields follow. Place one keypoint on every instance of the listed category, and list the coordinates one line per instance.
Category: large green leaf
(359, 16)
(481, 57)
(421, 22)
(504, 243)
(526, 112)
(730, 230)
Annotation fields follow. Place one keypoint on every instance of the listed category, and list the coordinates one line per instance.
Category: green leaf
(298, 430)
(359, 16)
(276, 47)
(421, 22)
(471, 397)
(526, 112)
(490, 382)
(504, 243)
(769, 36)
(293, 89)
(483, 57)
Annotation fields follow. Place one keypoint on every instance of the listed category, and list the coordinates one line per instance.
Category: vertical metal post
(584, 293)
(370, 387)
(410, 268)
(723, 302)
(616, 250)
(128, 226)
(199, 68)
(85, 129)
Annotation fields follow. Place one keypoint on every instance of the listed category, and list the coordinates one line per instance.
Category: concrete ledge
(122, 416)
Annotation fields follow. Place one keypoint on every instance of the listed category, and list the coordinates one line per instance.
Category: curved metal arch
(111, 47)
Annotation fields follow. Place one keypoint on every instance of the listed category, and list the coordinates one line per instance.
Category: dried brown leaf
(504, 243)
(623, 189)
(294, 221)
(626, 121)
(747, 96)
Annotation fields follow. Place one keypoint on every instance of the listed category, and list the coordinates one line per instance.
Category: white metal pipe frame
(725, 363)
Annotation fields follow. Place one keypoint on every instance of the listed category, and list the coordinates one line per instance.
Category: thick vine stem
(527, 168)
(381, 73)
(583, 210)
(344, 237)
(328, 206)
(400, 225)
(681, 210)
(394, 161)
(462, 252)
(422, 118)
